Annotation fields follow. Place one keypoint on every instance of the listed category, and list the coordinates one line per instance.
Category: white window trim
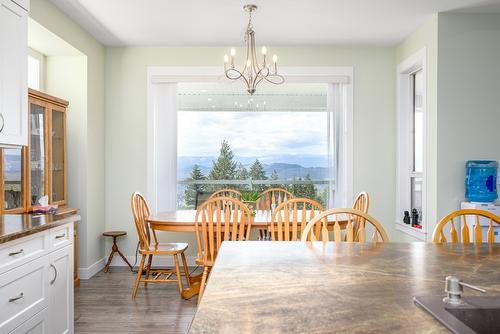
(417, 61)
(158, 79)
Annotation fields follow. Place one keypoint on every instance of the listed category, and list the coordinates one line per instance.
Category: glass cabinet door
(13, 179)
(58, 150)
(37, 153)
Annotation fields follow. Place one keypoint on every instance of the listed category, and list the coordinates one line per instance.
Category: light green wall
(469, 99)
(374, 121)
(88, 161)
(426, 36)
(463, 123)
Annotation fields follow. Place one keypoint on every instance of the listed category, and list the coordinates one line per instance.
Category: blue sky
(252, 134)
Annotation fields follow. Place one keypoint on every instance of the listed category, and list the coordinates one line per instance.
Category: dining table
(185, 220)
(328, 287)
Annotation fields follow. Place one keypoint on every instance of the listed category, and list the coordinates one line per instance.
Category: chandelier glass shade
(252, 72)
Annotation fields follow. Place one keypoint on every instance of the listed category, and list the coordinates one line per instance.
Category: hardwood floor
(104, 304)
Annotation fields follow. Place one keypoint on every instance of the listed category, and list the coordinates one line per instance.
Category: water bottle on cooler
(481, 181)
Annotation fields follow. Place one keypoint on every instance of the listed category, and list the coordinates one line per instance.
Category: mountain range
(287, 166)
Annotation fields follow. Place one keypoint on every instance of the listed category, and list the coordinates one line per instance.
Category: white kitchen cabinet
(38, 324)
(36, 285)
(13, 73)
(61, 291)
(23, 293)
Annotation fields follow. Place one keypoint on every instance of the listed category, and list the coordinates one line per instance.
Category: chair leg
(124, 259)
(186, 269)
(202, 284)
(110, 258)
(138, 277)
(148, 268)
(178, 274)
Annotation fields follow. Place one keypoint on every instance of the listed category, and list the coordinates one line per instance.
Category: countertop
(295, 287)
(16, 226)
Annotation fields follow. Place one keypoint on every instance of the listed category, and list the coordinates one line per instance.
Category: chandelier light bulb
(233, 52)
(226, 59)
(275, 58)
(264, 50)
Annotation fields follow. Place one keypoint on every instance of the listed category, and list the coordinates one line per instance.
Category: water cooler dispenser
(481, 193)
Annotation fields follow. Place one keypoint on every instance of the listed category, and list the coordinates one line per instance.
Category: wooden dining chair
(361, 203)
(219, 219)
(268, 201)
(271, 198)
(149, 247)
(317, 229)
(438, 236)
(226, 193)
(290, 218)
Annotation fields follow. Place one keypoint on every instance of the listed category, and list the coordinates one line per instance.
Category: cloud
(253, 134)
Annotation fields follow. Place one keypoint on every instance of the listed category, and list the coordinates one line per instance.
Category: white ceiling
(277, 22)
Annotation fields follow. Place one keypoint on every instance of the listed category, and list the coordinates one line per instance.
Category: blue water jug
(481, 181)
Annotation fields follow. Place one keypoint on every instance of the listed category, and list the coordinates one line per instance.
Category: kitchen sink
(476, 314)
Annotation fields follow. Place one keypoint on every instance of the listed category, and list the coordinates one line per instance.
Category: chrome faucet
(454, 288)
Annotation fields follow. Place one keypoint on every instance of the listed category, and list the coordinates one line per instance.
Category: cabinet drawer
(17, 252)
(61, 236)
(23, 293)
(38, 324)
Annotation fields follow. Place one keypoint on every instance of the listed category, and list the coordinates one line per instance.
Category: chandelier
(253, 72)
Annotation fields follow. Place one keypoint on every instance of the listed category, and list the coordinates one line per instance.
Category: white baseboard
(160, 261)
(86, 273)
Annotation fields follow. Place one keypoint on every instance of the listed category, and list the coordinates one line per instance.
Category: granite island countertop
(296, 287)
(15, 226)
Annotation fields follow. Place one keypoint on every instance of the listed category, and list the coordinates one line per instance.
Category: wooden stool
(114, 249)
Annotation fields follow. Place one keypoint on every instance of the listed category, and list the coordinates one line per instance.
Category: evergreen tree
(257, 173)
(193, 189)
(305, 190)
(241, 172)
(309, 190)
(274, 177)
(225, 166)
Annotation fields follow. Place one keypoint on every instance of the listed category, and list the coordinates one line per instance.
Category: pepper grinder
(406, 218)
(414, 217)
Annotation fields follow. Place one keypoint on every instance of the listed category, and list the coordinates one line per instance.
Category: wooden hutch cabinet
(46, 153)
(29, 173)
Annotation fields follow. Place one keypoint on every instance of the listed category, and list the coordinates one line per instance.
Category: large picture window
(228, 139)
(206, 133)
